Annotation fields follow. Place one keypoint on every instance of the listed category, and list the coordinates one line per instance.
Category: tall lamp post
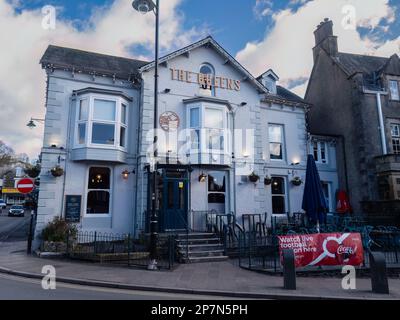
(145, 6)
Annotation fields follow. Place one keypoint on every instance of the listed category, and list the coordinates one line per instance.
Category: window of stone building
(98, 195)
(395, 130)
(394, 90)
(276, 141)
(279, 195)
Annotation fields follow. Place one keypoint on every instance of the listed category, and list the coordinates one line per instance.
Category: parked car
(16, 211)
(3, 205)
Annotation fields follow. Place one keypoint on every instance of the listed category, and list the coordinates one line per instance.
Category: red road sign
(25, 185)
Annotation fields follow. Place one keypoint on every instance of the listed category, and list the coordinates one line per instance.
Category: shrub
(32, 171)
(58, 230)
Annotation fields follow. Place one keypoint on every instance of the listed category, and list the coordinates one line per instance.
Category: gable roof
(210, 41)
(269, 72)
(356, 63)
(90, 62)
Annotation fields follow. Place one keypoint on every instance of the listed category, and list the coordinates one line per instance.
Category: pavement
(221, 279)
(13, 228)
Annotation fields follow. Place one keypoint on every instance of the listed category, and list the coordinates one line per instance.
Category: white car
(3, 205)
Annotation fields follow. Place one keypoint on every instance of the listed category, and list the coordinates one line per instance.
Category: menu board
(73, 208)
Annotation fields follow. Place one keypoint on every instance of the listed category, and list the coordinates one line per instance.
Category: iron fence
(120, 249)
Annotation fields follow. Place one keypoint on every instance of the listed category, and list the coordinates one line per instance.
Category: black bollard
(289, 270)
(379, 280)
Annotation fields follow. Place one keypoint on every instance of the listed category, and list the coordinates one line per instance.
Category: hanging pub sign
(73, 208)
(169, 121)
(324, 249)
(205, 80)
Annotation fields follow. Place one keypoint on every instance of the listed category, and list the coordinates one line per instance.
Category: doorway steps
(199, 247)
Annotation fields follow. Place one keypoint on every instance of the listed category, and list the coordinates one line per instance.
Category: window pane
(103, 133)
(216, 181)
(323, 152)
(216, 198)
(195, 139)
(98, 202)
(99, 178)
(81, 133)
(205, 69)
(315, 148)
(122, 137)
(275, 133)
(123, 114)
(395, 130)
(275, 150)
(214, 119)
(278, 185)
(194, 117)
(278, 205)
(215, 139)
(104, 110)
(83, 110)
(394, 90)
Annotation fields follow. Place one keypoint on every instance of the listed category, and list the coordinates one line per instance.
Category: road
(17, 288)
(14, 228)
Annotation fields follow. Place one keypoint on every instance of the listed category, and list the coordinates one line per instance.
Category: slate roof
(89, 62)
(289, 95)
(355, 63)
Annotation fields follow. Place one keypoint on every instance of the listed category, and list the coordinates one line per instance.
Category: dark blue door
(175, 204)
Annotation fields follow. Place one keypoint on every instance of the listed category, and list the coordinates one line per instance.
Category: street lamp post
(145, 6)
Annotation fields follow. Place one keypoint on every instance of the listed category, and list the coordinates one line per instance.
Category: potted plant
(296, 181)
(56, 234)
(267, 180)
(57, 171)
(253, 177)
(32, 171)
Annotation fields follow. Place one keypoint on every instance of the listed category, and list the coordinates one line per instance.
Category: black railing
(120, 249)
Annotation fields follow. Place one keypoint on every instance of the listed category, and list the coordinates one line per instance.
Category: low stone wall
(382, 212)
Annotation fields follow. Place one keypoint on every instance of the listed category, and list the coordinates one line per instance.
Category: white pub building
(220, 129)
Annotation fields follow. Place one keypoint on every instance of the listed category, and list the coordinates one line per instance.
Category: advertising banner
(324, 249)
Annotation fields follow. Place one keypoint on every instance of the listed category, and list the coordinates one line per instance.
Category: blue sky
(260, 34)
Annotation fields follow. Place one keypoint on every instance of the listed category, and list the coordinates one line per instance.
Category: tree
(7, 155)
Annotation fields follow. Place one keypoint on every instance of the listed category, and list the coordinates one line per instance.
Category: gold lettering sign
(205, 80)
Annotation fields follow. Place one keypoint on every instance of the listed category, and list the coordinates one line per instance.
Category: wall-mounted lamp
(126, 173)
(243, 104)
(167, 90)
(294, 163)
(202, 177)
(53, 146)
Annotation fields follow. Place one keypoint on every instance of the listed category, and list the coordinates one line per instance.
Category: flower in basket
(57, 171)
(253, 177)
(32, 171)
(267, 180)
(296, 181)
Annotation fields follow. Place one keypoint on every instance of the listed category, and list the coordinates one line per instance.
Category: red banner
(324, 249)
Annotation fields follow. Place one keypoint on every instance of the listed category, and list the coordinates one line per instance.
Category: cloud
(110, 30)
(287, 48)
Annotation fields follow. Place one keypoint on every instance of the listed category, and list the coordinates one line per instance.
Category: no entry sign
(25, 186)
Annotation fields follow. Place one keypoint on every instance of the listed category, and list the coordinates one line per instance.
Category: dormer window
(101, 121)
(207, 76)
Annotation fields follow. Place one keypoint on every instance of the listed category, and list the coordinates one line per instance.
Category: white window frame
(395, 137)
(89, 122)
(283, 214)
(283, 142)
(202, 91)
(330, 204)
(110, 191)
(319, 152)
(396, 96)
(203, 139)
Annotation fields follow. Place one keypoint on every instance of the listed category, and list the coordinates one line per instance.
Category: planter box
(50, 246)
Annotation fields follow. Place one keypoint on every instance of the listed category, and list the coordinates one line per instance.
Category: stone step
(200, 247)
(198, 241)
(195, 235)
(205, 259)
(208, 253)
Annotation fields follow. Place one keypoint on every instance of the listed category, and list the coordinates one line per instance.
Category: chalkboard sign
(73, 208)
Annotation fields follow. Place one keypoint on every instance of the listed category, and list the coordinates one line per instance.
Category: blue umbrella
(314, 202)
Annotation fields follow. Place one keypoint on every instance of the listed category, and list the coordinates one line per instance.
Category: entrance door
(175, 204)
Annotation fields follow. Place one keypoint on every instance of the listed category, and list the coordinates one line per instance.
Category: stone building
(356, 99)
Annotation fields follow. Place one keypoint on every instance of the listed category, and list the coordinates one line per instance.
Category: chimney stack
(324, 39)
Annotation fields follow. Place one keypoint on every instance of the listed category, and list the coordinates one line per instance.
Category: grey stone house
(356, 98)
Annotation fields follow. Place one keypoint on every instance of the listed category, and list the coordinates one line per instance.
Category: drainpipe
(378, 95)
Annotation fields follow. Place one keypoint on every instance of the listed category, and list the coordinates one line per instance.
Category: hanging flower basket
(296, 181)
(267, 180)
(57, 171)
(33, 171)
(253, 177)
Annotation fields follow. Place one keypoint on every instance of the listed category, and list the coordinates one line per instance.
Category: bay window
(101, 122)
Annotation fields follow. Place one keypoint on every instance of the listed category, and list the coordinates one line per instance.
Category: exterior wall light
(202, 177)
(167, 90)
(126, 173)
(143, 6)
(243, 104)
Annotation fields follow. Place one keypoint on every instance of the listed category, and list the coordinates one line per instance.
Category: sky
(260, 34)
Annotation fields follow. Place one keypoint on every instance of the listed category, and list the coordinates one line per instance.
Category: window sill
(112, 154)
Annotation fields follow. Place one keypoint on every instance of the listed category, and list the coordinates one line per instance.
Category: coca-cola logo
(345, 250)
